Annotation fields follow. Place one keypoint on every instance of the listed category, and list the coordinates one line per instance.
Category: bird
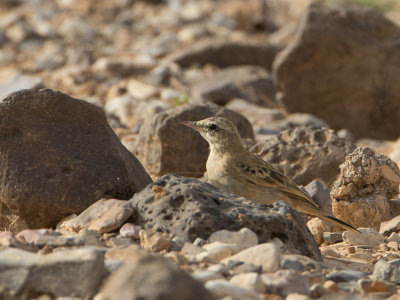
(232, 168)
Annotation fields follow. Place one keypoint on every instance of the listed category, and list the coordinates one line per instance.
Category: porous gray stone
(189, 208)
(305, 153)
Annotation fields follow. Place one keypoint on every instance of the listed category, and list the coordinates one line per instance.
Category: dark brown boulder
(58, 155)
(343, 66)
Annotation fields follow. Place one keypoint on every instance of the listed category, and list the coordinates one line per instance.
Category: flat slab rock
(189, 208)
(76, 272)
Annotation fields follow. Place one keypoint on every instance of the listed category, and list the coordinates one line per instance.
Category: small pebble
(239, 267)
(295, 296)
(218, 268)
(331, 285)
(394, 237)
(317, 290)
(393, 246)
(345, 276)
(350, 287)
(191, 249)
(284, 282)
(205, 276)
(199, 242)
(267, 255)
(221, 288)
(154, 240)
(376, 286)
(332, 237)
(243, 239)
(215, 252)
(130, 230)
(251, 281)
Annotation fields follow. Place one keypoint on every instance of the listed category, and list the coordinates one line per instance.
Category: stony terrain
(103, 195)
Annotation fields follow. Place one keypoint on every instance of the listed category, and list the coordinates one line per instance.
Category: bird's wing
(263, 174)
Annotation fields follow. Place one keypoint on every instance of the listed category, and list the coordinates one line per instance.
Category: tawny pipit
(232, 168)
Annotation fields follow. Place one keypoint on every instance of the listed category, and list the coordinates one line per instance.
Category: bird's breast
(218, 172)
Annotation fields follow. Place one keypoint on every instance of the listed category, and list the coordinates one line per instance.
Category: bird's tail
(338, 222)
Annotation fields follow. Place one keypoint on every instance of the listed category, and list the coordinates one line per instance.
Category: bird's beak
(190, 124)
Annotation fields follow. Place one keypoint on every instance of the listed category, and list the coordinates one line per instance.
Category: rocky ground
(103, 193)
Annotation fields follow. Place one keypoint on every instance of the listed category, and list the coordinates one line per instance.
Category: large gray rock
(165, 146)
(66, 273)
(306, 153)
(58, 155)
(145, 276)
(226, 53)
(366, 183)
(343, 64)
(254, 84)
(189, 209)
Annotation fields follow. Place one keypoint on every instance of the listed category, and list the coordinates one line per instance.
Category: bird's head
(219, 132)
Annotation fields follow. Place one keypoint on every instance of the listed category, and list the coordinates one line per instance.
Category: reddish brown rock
(165, 146)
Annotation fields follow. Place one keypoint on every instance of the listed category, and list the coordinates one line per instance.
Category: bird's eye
(212, 126)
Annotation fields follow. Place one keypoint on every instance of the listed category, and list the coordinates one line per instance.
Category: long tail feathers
(339, 223)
